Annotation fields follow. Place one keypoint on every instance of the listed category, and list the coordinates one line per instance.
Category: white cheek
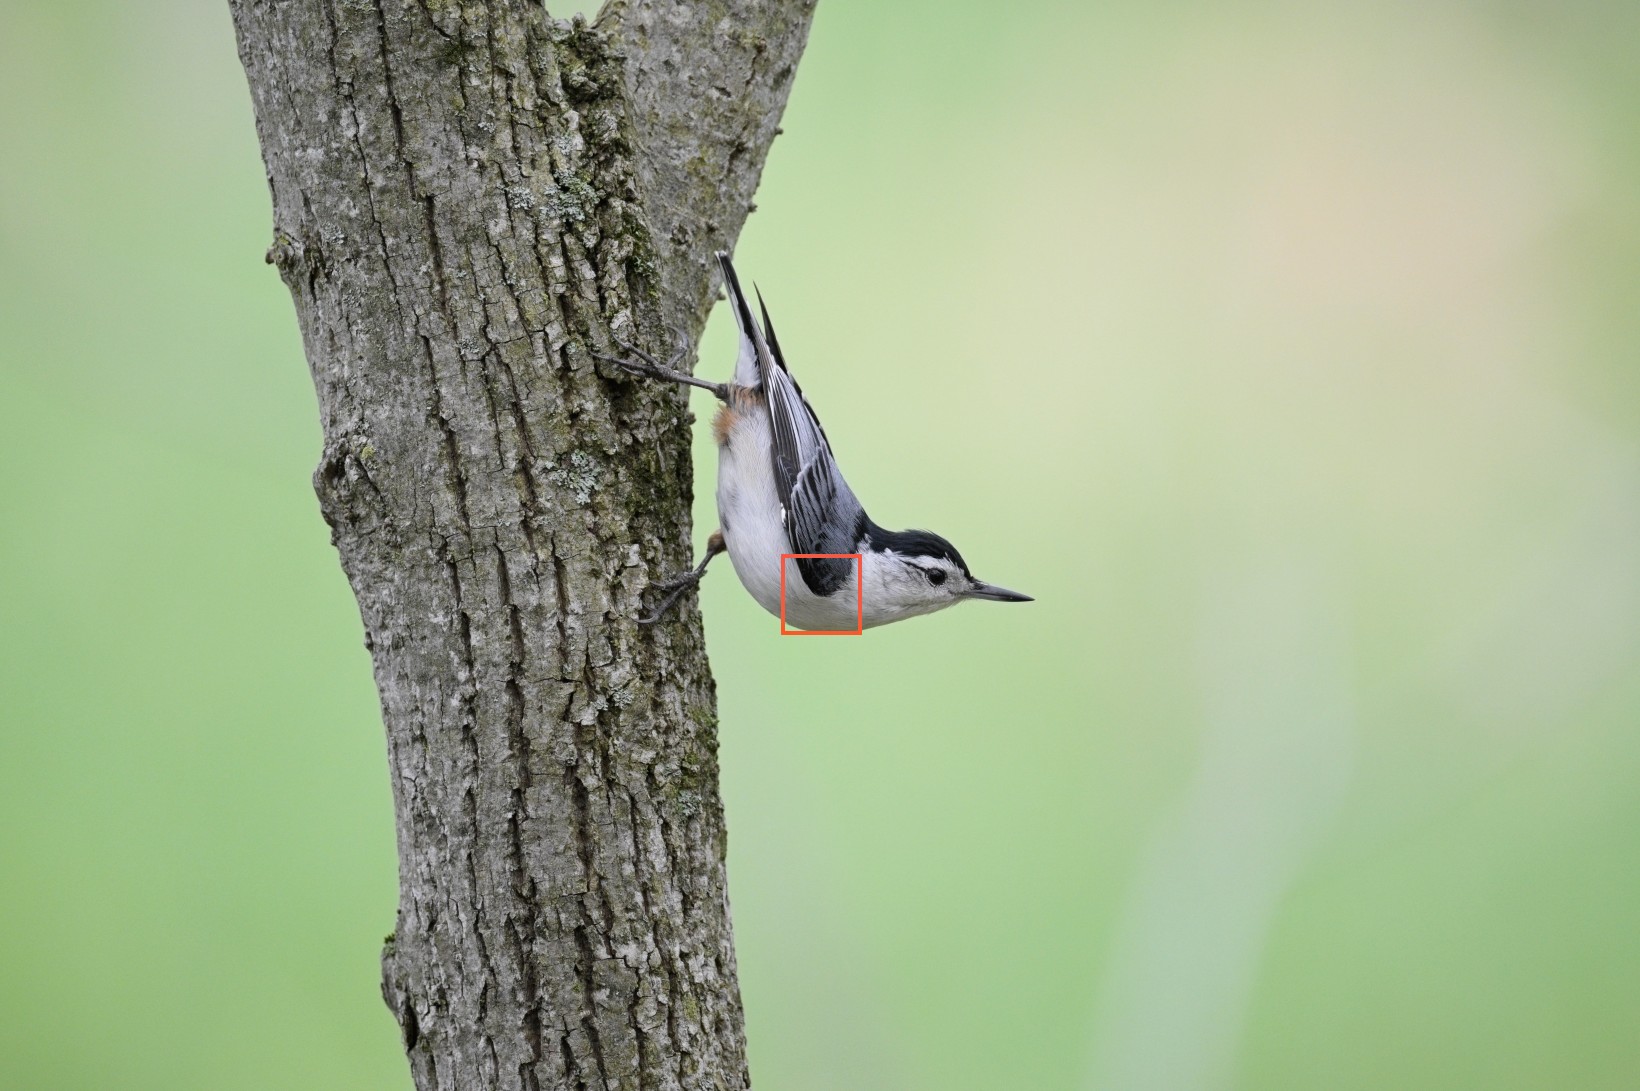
(893, 591)
(898, 587)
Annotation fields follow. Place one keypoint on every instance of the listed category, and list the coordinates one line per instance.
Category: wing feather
(820, 512)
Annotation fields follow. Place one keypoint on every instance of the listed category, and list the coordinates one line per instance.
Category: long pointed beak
(982, 590)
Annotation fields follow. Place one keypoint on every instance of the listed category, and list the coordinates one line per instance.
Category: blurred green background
(1288, 354)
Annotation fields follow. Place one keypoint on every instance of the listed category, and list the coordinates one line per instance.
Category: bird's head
(917, 572)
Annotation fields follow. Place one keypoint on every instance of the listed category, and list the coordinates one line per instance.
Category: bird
(779, 491)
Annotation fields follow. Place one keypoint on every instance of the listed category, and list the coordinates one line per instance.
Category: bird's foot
(675, 587)
(643, 364)
(683, 581)
(639, 362)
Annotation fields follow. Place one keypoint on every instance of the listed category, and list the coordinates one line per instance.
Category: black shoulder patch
(825, 575)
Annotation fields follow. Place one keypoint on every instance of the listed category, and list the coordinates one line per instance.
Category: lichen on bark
(470, 200)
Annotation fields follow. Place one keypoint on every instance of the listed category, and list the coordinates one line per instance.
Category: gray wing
(820, 512)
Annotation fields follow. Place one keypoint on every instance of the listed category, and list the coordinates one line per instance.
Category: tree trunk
(470, 199)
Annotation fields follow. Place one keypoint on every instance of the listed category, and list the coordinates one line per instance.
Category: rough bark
(470, 199)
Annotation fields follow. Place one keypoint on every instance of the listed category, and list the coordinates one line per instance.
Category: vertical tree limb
(469, 199)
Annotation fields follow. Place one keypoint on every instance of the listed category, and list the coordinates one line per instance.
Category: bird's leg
(677, 585)
(651, 368)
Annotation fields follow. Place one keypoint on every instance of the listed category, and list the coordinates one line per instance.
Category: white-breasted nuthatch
(779, 491)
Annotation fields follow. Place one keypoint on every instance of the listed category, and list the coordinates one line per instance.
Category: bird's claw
(674, 588)
(678, 583)
(645, 363)
(646, 368)
(683, 581)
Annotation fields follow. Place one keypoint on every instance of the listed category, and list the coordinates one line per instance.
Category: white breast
(749, 516)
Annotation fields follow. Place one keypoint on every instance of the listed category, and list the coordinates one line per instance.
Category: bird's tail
(755, 353)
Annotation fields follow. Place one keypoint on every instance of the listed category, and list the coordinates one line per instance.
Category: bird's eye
(936, 576)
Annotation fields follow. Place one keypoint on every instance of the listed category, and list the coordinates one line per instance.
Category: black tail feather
(731, 282)
(768, 332)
